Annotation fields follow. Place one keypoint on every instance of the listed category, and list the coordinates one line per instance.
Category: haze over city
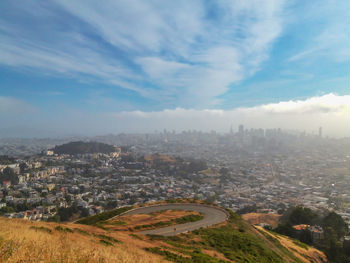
(142, 66)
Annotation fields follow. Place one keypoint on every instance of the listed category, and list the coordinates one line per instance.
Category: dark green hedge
(93, 220)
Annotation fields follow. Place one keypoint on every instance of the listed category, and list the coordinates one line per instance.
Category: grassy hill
(81, 147)
(107, 239)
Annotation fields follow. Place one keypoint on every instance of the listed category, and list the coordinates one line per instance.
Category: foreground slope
(117, 239)
(27, 241)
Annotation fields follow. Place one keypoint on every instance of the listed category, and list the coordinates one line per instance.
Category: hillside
(115, 239)
(81, 147)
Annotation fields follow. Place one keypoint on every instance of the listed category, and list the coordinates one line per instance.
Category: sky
(91, 67)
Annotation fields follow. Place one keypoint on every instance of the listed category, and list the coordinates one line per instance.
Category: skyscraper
(241, 129)
(320, 132)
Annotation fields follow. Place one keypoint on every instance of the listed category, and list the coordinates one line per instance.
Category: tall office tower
(320, 131)
(241, 129)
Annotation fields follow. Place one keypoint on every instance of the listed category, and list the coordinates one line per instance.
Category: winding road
(212, 216)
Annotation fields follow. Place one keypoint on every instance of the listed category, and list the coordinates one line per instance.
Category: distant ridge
(81, 147)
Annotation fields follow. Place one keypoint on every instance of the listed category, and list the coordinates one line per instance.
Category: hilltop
(81, 147)
(106, 238)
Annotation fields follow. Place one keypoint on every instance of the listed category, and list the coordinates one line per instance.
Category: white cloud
(330, 111)
(138, 25)
(329, 103)
(179, 50)
(330, 40)
(75, 60)
(234, 47)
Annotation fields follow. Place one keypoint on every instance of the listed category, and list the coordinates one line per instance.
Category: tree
(196, 166)
(305, 236)
(286, 229)
(337, 223)
(23, 167)
(299, 215)
(111, 204)
(8, 174)
(6, 209)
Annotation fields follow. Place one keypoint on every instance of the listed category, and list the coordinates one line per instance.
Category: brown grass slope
(302, 251)
(27, 241)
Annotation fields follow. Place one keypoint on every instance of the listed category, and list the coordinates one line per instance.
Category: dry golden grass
(160, 157)
(216, 254)
(306, 255)
(142, 219)
(21, 243)
(257, 218)
(27, 241)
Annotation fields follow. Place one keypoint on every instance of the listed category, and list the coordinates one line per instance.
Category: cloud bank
(330, 111)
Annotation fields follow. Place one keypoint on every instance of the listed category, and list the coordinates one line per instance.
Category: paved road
(212, 216)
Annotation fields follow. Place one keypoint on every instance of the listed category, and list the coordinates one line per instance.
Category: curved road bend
(212, 216)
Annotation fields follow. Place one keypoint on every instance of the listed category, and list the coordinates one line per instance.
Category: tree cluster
(8, 174)
(334, 229)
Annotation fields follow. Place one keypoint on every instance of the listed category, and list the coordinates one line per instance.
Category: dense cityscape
(256, 170)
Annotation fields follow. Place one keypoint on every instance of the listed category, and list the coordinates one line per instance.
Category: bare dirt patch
(258, 218)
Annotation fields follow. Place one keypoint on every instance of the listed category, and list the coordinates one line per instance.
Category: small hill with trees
(297, 223)
(81, 147)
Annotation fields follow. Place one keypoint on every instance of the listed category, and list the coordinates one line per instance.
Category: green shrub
(106, 243)
(110, 239)
(44, 229)
(93, 220)
(238, 246)
(136, 236)
(188, 218)
(64, 229)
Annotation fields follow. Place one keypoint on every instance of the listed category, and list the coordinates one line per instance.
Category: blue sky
(65, 65)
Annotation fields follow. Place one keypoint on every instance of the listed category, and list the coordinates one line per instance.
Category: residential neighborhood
(241, 171)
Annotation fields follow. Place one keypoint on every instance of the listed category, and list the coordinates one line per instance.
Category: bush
(44, 229)
(106, 243)
(64, 229)
(93, 220)
(299, 215)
